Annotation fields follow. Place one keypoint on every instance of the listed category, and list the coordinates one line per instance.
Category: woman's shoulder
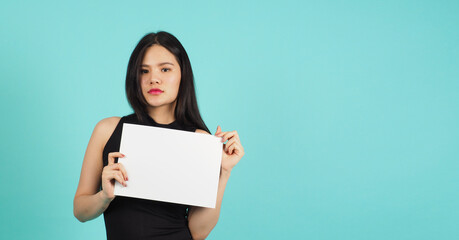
(201, 131)
(109, 122)
(112, 122)
(105, 127)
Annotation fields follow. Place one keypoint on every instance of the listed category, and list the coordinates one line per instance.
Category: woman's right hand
(113, 171)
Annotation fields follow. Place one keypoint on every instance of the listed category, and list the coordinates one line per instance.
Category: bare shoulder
(201, 131)
(92, 161)
(105, 127)
(108, 122)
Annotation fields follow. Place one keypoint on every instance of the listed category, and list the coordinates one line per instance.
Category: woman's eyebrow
(164, 63)
(159, 64)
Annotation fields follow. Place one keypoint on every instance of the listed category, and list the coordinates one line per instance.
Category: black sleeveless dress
(133, 218)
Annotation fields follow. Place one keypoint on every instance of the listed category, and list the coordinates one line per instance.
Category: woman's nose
(154, 79)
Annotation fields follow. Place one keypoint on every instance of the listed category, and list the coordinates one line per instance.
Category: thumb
(219, 130)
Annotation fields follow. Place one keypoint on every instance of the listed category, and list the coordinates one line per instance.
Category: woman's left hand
(232, 150)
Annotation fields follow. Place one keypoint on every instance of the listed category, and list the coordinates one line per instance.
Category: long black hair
(186, 110)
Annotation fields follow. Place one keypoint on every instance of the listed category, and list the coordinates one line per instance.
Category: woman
(160, 89)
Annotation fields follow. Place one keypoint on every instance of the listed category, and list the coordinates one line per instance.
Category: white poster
(170, 165)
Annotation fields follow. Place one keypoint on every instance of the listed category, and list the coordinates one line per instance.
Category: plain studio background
(348, 111)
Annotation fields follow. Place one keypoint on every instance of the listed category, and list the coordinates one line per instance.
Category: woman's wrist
(104, 198)
(225, 173)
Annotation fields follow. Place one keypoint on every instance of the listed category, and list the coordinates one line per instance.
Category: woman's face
(159, 77)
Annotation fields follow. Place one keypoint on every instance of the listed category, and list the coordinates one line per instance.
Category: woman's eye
(165, 70)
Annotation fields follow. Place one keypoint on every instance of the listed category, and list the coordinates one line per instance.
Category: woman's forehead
(158, 55)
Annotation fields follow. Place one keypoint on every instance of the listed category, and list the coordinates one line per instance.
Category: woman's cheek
(176, 83)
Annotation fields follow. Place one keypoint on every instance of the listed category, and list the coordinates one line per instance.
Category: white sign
(170, 165)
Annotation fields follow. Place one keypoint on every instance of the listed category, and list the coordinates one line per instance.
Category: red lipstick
(155, 91)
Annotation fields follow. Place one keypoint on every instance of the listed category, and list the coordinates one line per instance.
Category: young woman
(160, 89)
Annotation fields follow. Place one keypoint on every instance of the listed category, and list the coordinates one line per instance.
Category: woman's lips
(155, 91)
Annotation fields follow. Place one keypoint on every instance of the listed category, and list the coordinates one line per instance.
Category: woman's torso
(133, 218)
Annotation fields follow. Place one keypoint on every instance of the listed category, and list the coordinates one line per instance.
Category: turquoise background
(348, 111)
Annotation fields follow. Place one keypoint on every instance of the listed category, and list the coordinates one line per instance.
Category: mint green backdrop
(348, 111)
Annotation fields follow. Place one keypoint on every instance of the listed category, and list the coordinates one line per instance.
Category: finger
(228, 135)
(120, 167)
(123, 171)
(219, 130)
(231, 149)
(236, 147)
(233, 134)
(113, 174)
(230, 142)
(112, 155)
(119, 177)
(223, 135)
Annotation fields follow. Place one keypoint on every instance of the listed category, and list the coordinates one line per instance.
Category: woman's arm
(202, 220)
(89, 206)
(89, 202)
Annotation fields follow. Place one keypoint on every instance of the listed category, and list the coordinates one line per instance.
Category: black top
(134, 218)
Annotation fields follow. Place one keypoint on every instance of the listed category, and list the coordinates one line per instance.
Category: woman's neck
(163, 114)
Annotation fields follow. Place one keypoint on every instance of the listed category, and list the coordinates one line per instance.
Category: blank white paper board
(170, 165)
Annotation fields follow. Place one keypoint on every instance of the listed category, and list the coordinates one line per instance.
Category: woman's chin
(158, 104)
